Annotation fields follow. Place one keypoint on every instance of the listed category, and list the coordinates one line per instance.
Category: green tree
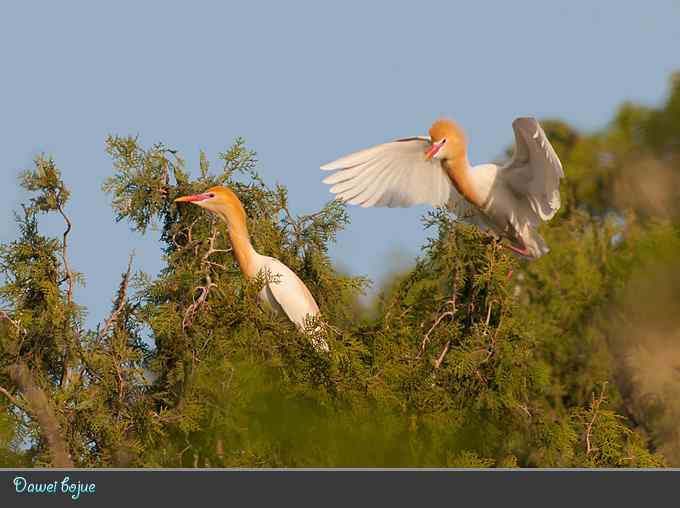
(457, 365)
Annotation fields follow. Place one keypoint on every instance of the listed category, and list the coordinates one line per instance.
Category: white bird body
(283, 293)
(286, 294)
(509, 201)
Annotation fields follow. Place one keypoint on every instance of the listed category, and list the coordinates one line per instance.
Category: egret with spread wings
(285, 294)
(508, 201)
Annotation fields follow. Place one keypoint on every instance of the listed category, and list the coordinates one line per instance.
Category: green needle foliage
(570, 361)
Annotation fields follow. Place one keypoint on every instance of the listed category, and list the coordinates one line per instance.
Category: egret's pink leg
(523, 252)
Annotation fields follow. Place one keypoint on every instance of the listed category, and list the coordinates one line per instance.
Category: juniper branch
(121, 300)
(64, 253)
(450, 313)
(12, 398)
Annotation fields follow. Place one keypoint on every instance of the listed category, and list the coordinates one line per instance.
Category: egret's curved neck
(459, 170)
(245, 254)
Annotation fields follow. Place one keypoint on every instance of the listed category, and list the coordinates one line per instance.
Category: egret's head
(220, 200)
(448, 140)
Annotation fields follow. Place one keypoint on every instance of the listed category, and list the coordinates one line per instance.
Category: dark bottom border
(349, 488)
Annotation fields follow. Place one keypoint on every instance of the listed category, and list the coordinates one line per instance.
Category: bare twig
(122, 300)
(14, 348)
(12, 398)
(293, 223)
(426, 338)
(71, 279)
(450, 313)
(15, 323)
(219, 449)
(193, 309)
(64, 254)
(189, 230)
(589, 429)
(113, 318)
(492, 346)
(594, 407)
(438, 361)
(524, 408)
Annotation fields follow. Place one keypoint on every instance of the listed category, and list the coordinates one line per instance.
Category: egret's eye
(443, 141)
(211, 195)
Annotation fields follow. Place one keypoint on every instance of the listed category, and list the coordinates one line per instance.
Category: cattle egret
(284, 294)
(507, 201)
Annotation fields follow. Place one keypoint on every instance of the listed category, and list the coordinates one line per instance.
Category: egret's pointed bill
(193, 198)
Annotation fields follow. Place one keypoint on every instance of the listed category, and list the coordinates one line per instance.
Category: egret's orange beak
(193, 198)
(433, 151)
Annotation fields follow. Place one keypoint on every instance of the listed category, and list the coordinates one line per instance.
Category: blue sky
(303, 83)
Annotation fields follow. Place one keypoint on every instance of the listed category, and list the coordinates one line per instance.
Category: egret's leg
(522, 252)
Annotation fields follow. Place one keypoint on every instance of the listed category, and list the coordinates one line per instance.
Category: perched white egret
(285, 294)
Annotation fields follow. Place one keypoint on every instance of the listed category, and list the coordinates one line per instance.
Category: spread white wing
(394, 174)
(535, 169)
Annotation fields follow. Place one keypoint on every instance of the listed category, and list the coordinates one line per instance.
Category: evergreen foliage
(568, 363)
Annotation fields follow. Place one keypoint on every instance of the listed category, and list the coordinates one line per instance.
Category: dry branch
(440, 359)
(196, 305)
(450, 313)
(122, 300)
(41, 410)
(64, 254)
(12, 398)
(594, 407)
(15, 323)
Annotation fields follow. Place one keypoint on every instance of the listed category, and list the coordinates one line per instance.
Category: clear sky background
(303, 83)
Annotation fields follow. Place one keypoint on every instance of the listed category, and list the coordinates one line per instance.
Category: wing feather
(535, 169)
(370, 187)
(360, 180)
(394, 174)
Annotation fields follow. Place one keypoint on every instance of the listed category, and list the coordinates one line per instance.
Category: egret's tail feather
(532, 245)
